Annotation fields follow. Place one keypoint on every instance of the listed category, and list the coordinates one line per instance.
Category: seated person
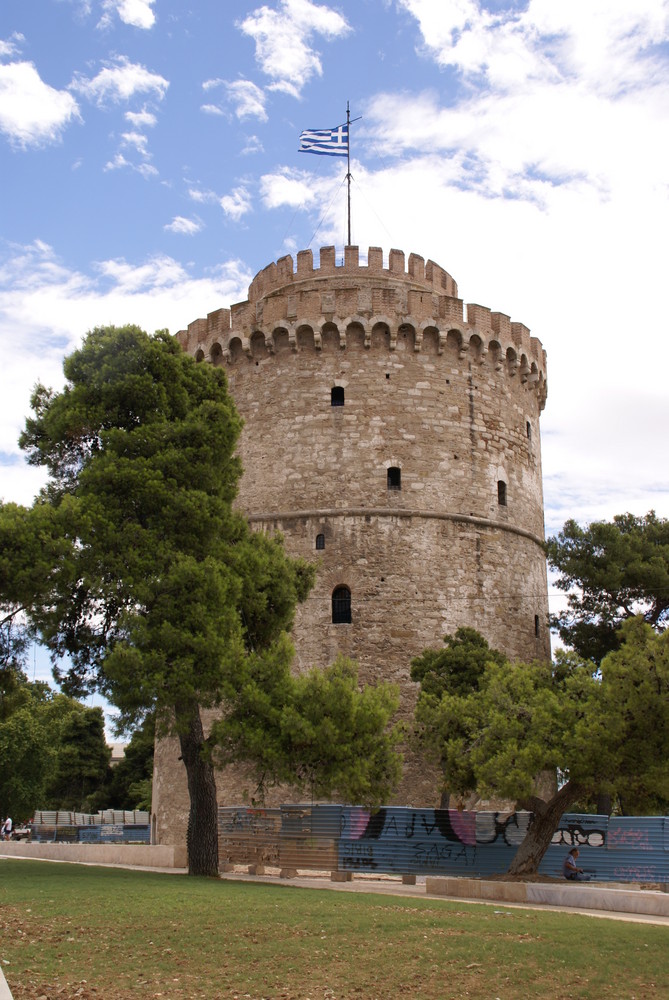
(570, 869)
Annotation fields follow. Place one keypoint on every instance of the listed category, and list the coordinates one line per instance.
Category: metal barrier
(101, 833)
(403, 841)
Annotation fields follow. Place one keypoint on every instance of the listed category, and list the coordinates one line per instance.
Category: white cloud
(541, 40)
(120, 162)
(283, 38)
(236, 204)
(295, 188)
(141, 119)
(202, 196)
(31, 112)
(45, 308)
(183, 226)
(137, 140)
(146, 170)
(252, 145)
(249, 100)
(542, 187)
(11, 46)
(119, 82)
(137, 13)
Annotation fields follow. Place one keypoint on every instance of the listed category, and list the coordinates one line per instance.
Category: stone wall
(451, 406)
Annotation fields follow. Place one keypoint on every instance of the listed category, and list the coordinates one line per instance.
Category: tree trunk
(202, 832)
(546, 816)
(604, 803)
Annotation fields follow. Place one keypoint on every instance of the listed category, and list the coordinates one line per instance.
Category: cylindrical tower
(397, 445)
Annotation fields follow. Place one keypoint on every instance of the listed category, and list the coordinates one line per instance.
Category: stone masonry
(396, 444)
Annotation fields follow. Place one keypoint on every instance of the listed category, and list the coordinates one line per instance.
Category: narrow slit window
(528, 428)
(536, 626)
(394, 478)
(501, 493)
(337, 395)
(341, 606)
(320, 541)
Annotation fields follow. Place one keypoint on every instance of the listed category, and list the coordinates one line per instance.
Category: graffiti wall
(406, 841)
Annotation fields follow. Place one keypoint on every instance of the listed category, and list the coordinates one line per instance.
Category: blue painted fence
(439, 841)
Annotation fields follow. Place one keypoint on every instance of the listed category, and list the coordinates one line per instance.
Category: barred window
(320, 541)
(341, 606)
(394, 478)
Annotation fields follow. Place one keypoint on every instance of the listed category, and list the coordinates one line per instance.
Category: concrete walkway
(637, 905)
(617, 902)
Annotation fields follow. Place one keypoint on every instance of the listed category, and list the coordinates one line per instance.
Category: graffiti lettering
(638, 839)
(439, 855)
(511, 827)
(576, 836)
(638, 873)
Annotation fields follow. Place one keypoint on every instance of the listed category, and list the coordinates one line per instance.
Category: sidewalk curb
(5, 993)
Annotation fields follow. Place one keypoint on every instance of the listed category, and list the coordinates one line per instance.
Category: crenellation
(479, 316)
(537, 350)
(501, 324)
(197, 330)
(327, 260)
(375, 260)
(285, 268)
(520, 333)
(449, 308)
(305, 263)
(218, 322)
(396, 262)
(351, 258)
(298, 314)
(417, 267)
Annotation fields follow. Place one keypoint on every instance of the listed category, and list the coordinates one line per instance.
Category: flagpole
(348, 167)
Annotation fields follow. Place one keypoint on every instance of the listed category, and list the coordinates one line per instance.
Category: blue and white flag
(325, 141)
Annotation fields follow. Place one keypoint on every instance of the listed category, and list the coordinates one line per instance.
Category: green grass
(69, 931)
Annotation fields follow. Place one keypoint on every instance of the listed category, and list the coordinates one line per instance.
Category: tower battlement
(293, 303)
(286, 271)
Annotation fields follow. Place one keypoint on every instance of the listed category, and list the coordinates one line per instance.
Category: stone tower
(396, 444)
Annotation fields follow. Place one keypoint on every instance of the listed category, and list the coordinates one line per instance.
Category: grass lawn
(69, 931)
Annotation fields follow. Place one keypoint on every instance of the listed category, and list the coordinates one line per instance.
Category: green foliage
(317, 732)
(159, 587)
(611, 571)
(602, 729)
(150, 585)
(635, 705)
(82, 762)
(458, 668)
(52, 751)
(130, 783)
(27, 759)
(456, 671)
(157, 592)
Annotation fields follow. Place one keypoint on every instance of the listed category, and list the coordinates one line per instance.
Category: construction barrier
(400, 840)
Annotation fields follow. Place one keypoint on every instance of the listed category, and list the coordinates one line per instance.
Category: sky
(149, 168)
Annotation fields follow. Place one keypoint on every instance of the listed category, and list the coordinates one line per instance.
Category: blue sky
(149, 165)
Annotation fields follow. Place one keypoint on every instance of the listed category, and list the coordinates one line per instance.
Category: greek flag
(325, 141)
